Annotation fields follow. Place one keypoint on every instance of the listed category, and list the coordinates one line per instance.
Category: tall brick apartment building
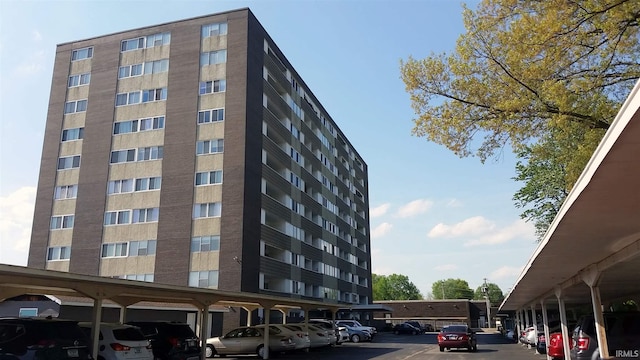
(192, 153)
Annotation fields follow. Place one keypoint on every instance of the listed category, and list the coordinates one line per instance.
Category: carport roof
(597, 229)
(18, 280)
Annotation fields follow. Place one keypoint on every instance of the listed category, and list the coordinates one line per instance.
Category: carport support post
(592, 277)
(203, 320)
(96, 318)
(518, 325)
(545, 322)
(123, 314)
(267, 317)
(563, 322)
(534, 323)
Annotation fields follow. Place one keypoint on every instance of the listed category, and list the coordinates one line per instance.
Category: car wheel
(260, 351)
(474, 348)
(355, 338)
(441, 349)
(210, 351)
(415, 332)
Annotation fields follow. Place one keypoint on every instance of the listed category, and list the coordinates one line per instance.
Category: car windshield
(454, 328)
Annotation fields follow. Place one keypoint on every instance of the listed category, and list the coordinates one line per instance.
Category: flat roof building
(192, 153)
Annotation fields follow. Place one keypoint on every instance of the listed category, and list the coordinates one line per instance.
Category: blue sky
(433, 215)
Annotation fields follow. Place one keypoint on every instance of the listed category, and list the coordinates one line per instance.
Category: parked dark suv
(42, 339)
(623, 335)
(170, 340)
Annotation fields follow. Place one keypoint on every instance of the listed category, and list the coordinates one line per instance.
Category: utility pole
(485, 290)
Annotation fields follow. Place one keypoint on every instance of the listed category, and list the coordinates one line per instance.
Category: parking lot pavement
(387, 346)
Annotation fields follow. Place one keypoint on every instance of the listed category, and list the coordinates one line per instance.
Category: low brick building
(437, 313)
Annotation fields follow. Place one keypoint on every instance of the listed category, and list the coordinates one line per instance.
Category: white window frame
(65, 192)
(79, 80)
(207, 210)
(58, 253)
(78, 54)
(209, 113)
(62, 222)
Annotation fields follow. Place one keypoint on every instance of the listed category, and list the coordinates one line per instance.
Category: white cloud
(454, 203)
(414, 208)
(381, 230)
(446, 267)
(518, 229)
(32, 65)
(379, 210)
(16, 216)
(506, 272)
(36, 35)
(474, 226)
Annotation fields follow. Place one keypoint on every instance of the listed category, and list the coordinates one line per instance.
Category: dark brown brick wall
(96, 148)
(432, 309)
(49, 160)
(178, 164)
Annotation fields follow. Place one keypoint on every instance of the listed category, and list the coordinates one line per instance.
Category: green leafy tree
(526, 73)
(495, 294)
(451, 289)
(548, 172)
(394, 287)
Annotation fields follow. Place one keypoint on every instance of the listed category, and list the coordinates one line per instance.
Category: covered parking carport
(591, 252)
(17, 280)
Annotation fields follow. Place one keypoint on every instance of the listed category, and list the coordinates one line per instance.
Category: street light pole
(486, 295)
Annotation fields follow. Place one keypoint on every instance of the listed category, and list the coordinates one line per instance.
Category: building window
(114, 250)
(72, 134)
(154, 95)
(136, 97)
(120, 186)
(130, 71)
(213, 57)
(69, 162)
(145, 215)
(150, 153)
(205, 243)
(210, 87)
(65, 192)
(213, 115)
(214, 29)
(131, 126)
(204, 279)
(120, 156)
(210, 146)
(209, 178)
(81, 54)
(139, 277)
(156, 67)
(117, 217)
(59, 253)
(151, 183)
(61, 222)
(146, 42)
(128, 98)
(79, 80)
(71, 107)
(142, 248)
(207, 210)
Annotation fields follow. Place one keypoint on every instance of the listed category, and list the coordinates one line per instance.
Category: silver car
(249, 340)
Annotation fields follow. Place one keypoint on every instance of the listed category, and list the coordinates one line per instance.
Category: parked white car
(319, 337)
(337, 338)
(120, 342)
(300, 338)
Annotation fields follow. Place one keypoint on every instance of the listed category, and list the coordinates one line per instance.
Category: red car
(457, 337)
(555, 349)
